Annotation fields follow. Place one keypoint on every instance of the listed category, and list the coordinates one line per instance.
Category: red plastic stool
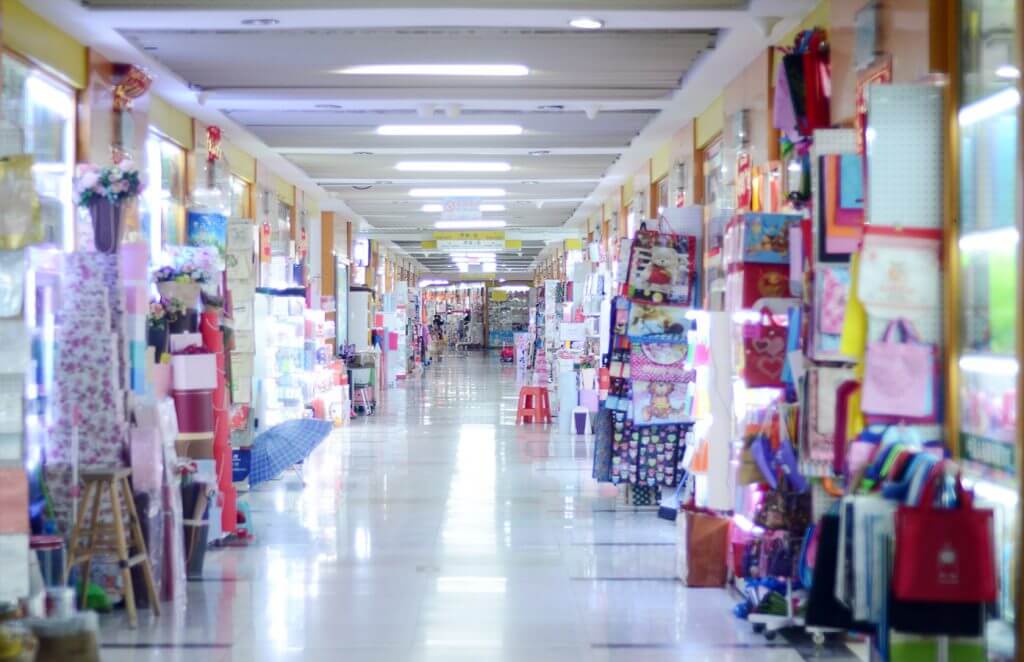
(533, 405)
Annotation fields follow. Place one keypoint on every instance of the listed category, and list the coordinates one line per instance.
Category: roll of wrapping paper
(213, 340)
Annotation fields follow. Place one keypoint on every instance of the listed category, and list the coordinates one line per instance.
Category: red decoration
(135, 83)
(213, 138)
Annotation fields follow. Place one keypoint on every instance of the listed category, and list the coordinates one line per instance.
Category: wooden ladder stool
(91, 538)
(533, 405)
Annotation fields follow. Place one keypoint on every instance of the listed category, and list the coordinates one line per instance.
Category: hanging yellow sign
(469, 235)
(470, 240)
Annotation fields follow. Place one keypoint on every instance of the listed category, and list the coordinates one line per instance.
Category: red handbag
(944, 555)
(764, 351)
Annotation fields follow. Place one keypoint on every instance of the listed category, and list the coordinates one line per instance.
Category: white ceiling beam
(531, 234)
(478, 151)
(439, 16)
(443, 178)
(361, 99)
(401, 97)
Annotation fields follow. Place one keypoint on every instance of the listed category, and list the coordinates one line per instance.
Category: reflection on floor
(439, 530)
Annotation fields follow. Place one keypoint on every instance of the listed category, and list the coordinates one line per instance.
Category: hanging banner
(461, 209)
(490, 240)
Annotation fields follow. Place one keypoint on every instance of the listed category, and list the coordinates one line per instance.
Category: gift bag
(662, 268)
(603, 446)
(764, 351)
(702, 548)
(899, 375)
(944, 570)
(642, 495)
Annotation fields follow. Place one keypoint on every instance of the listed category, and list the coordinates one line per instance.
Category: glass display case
(163, 200)
(40, 121)
(280, 331)
(988, 270)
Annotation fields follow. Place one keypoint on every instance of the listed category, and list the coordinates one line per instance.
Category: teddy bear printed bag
(663, 385)
(662, 268)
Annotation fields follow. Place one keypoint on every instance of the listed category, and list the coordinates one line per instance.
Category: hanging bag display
(899, 375)
(764, 351)
(944, 570)
(662, 268)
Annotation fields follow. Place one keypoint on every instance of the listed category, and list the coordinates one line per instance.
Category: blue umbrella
(285, 445)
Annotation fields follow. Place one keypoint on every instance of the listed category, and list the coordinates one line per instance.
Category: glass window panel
(40, 121)
(989, 270)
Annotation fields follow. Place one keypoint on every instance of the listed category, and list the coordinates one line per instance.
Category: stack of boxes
(14, 526)
(241, 279)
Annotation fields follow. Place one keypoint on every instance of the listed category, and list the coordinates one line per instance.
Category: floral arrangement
(175, 308)
(165, 310)
(157, 313)
(115, 183)
(188, 272)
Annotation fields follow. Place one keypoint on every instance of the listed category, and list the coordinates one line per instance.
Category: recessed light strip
(453, 166)
(449, 130)
(469, 225)
(457, 192)
(434, 208)
(436, 70)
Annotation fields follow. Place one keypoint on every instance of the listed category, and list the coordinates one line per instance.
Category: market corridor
(438, 530)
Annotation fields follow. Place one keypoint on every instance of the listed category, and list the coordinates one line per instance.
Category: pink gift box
(162, 380)
(194, 372)
(134, 261)
(136, 299)
(13, 501)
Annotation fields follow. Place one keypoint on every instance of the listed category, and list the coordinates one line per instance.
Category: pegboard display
(905, 156)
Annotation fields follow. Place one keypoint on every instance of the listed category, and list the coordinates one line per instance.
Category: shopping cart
(508, 355)
(362, 390)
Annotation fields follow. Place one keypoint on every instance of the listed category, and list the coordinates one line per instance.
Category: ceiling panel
(357, 131)
(376, 167)
(651, 62)
(571, 5)
(587, 97)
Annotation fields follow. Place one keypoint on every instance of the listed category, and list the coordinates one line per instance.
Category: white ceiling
(596, 103)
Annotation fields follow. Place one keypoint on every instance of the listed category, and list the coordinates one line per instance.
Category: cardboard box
(194, 448)
(194, 372)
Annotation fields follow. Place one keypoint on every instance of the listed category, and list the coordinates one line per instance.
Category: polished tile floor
(437, 529)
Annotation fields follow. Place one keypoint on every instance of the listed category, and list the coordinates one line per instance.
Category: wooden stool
(91, 538)
(533, 405)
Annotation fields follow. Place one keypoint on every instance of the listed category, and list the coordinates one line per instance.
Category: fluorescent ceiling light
(453, 166)
(989, 107)
(449, 130)
(1008, 71)
(434, 208)
(984, 241)
(457, 192)
(468, 225)
(995, 366)
(586, 23)
(437, 70)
